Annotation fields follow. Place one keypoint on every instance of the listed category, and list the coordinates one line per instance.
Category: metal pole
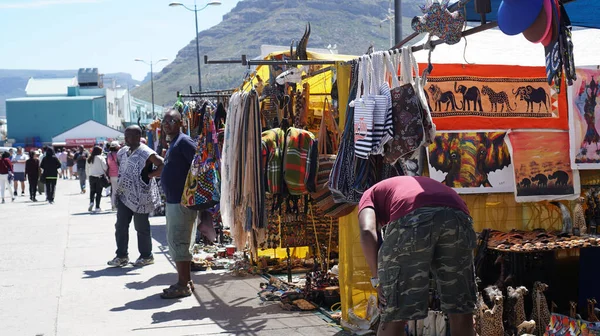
(152, 87)
(198, 51)
(398, 19)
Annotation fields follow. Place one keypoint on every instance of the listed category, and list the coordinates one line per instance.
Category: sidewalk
(54, 281)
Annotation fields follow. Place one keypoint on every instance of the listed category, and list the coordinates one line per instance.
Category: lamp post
(151, 64)
(196, 10)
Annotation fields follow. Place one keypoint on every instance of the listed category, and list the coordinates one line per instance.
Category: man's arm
(368, 238)
(159, 163)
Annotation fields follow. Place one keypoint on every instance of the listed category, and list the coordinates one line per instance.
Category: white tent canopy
(494, 47)
(89, 129)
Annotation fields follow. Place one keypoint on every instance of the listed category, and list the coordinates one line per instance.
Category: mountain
(352, 25)
(13, 82)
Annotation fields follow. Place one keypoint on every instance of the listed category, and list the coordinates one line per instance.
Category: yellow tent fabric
(320, 84)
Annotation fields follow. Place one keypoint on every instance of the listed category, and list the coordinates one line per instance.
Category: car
(5, 149)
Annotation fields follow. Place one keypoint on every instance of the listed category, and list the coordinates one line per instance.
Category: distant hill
(13, 82)
(352, 25)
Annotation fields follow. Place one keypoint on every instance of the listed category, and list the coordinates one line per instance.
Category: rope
(329, 244)
(312, 216)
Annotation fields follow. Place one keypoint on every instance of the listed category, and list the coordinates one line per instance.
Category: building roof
(54, 98)
(494, 47)
(88, 129)
(49, 86)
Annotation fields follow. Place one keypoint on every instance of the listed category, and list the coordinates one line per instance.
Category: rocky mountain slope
(352, 25)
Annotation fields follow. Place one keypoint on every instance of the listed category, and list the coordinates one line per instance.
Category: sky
(103, 34)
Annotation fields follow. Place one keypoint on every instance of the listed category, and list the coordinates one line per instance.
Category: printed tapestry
(482, 97)
(542, 166)
(472, 162)
(585, 119)
(564, 325)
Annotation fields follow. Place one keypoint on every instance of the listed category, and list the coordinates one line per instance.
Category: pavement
(54, 281)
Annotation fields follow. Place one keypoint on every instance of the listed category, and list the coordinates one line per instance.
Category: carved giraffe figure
(579, 216)
(491, 323)
(591, 313)
(540, 314)
(520, 293)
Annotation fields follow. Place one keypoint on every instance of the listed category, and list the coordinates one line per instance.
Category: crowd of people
(130, 173)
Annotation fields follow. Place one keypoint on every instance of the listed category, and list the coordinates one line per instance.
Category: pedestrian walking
(96, 169)
(113, 172)
(32, 169)
(6, 176)
(180, 219)
(70, 164)
(427, 229)
(18, 162)
(50, 165)
(137, 197)
(62, 157)
(80, 160)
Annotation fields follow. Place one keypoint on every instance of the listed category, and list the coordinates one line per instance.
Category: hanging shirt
(139, 196)
(373, 131)
(396, 197)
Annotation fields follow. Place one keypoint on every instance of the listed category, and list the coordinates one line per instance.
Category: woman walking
(113, 172)
(6, 173)
(32, 169)
(96, 169)
(50, 165)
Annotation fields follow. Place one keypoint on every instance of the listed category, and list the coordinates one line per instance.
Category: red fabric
(398, 196)
(5, 166)
(500, 78)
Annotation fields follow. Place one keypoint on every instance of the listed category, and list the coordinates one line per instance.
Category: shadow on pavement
(151, 302)
(110, 271)
(159, 233)
(93, 213)
(235, 317)
(158, 280)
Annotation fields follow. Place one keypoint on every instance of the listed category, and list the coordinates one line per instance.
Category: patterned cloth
(440, 22)
(137, 195)
(300, 154)
(272, 146)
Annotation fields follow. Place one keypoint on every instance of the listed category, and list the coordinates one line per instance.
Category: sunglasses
(170, 122)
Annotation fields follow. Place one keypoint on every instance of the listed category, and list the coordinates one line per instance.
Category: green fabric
(272, 143)
(297, 160)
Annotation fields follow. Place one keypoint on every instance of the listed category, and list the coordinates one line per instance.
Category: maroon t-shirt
(398, 196)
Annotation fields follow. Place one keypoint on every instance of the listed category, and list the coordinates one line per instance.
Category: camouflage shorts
(437, 240)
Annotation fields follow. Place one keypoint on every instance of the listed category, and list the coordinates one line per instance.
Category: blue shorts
(63, 166)
(20, 177)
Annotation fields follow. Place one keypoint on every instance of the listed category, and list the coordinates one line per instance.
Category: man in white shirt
(18, 162)
(62, 157)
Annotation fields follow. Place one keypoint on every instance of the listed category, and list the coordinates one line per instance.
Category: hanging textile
(300, 161)
(542, 169)
(273, 141)
(229, 168)
(584, 119)
(494, 97)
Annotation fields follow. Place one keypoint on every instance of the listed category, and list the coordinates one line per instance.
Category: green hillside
(352, 25)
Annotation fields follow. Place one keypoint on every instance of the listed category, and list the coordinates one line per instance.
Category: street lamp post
(196, 10)
(151, 64)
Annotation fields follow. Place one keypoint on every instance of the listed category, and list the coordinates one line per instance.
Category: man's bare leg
(461, 324)
(395, 328)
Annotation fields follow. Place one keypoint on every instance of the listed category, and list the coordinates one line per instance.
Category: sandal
(176, 292)
(176, 285)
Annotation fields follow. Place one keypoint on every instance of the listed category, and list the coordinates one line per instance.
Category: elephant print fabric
(472, 162)
(585, 119)
(492, 97)
(542, 167)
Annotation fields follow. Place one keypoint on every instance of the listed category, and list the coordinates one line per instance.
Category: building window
(110, 108)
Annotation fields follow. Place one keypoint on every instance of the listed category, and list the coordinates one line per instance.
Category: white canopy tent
(494, 47)
(89, 129)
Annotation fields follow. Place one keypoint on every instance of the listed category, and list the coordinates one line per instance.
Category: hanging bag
(412, 123)
(202, 188)
(342, 176)
(323, 198)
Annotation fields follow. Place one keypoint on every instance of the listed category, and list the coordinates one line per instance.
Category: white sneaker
(97, 210)
(91, 207)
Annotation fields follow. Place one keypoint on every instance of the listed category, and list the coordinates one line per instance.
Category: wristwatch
(375, 282)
